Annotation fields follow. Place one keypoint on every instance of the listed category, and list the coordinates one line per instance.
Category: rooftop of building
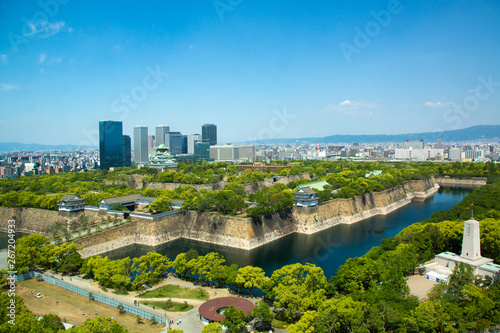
(306, 190)
(70, 197)
(318, 185)
(211, 309)
(492, 267)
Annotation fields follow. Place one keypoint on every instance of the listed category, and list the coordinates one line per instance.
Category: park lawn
(170, 306)
(74, 308)
(279, 324)
(176, 292)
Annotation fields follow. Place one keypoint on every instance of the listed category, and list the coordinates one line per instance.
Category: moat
(328, 249)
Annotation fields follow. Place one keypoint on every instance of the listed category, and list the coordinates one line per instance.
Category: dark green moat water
(328, 249)
(4, 238)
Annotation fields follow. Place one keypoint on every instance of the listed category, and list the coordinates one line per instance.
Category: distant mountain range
(481, 132)
(16, 146)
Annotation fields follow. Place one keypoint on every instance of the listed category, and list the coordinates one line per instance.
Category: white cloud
(348, 107)
(439, 104)
(5, 58)
(54, 60)
(42, 58)
(471, 90)
(44, 29)
(8, 86)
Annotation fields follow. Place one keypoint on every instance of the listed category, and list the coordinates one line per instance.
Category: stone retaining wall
(313, 219)
(461, 183)
(243, 233)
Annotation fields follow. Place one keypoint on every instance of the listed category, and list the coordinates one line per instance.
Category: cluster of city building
(165, 149)
(14, 164)
(407, 151)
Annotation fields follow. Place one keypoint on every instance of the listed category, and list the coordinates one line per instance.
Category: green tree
(99, 325)
(234, 319)
(263, 314)
(250, 277)
(341, 314)
(160, 205)
(297, 288)
(306, 324)
(356, 274)
(51, 322)
(22, 318)
(462, 275)
(210, 267)
(212, 328)
(150, 267)
(478, 307)
(28, 254)
(431, 316)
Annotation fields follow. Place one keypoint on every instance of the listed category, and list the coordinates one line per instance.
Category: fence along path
(96, 297)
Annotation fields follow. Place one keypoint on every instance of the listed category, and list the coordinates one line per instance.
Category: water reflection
(329, 248)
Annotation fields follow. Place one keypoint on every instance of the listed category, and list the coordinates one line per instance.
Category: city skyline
(257, 70)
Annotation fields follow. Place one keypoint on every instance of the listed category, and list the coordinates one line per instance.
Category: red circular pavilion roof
(208, 310)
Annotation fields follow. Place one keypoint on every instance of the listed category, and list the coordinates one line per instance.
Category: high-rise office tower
(161, 131)
(209, 133)
(202, 150)
(173, 140)
(127, 151)
(141, 144)
(191, 139)
(151, 143)
(184, 144)
(110, 144)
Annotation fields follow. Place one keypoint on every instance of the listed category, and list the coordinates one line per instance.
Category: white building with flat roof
(418, 154)
(443, 264)
(225, 153)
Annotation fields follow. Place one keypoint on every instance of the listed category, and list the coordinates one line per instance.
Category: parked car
(39, 295)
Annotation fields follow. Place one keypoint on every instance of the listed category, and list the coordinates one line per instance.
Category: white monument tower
(471, 244)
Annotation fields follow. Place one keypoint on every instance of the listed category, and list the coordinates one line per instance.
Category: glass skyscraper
(111, 144)
(209, 133)
(127, 152)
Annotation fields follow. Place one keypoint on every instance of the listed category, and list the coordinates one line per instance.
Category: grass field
(176, 292)
(169, 306)
(74, 308)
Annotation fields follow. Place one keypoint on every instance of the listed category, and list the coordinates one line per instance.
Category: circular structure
(212, 310)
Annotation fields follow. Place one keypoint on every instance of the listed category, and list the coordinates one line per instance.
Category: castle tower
(471, 244)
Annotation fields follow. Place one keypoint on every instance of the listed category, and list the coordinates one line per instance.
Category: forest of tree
(368, 293)
(347, 177)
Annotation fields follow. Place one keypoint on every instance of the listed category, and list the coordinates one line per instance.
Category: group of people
(177, 322)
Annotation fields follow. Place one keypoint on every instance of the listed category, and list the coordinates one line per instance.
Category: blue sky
(257, 69)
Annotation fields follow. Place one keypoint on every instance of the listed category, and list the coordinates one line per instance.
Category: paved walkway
(190, 320)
